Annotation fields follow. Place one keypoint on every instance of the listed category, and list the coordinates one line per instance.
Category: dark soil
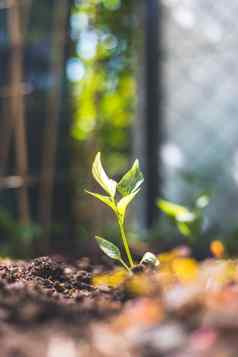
(49, 308)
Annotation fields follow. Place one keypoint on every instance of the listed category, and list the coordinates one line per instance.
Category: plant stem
(124, 239)
(124, 264)
(123, 234)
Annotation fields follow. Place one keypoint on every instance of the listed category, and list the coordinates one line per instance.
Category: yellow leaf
(114, 279)
(177, 211)
(105, 199)
(185, 269)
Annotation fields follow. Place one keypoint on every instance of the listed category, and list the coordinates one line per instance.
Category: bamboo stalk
(7, 92)
(16, 105)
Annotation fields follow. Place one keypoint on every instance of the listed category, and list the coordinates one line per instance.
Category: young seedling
(188, 221)
(128, 187)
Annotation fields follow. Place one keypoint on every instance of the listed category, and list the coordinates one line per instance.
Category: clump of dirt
(49, 288)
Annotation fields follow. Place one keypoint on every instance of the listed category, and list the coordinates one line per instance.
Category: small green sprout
(188, 221)
(128, 187)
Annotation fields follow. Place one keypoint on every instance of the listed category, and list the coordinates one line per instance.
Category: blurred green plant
(128, 187)
(16, 239)
(189, 221)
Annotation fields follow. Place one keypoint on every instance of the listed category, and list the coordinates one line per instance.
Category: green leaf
(187, 217)
(105, 199)
(101, 177)
(180, 213)
(150, 258)
(109, 248)
(131, 181)
(184, 229)
(124, 202)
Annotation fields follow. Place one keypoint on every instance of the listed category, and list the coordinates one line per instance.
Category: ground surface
(50, 307)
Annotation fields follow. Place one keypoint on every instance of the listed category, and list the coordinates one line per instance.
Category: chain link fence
(200, 106)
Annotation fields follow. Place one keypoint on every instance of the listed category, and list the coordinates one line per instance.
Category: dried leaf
(114, 279)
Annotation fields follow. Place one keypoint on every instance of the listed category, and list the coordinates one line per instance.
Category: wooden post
(51, 128)
(153, 116)
(148, 124)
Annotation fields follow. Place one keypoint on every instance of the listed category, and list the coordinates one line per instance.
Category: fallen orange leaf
(143, 312)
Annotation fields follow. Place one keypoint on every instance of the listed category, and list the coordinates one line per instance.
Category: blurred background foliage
(83, 88)
(95, 112)
(102, 75)
(102, 72)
